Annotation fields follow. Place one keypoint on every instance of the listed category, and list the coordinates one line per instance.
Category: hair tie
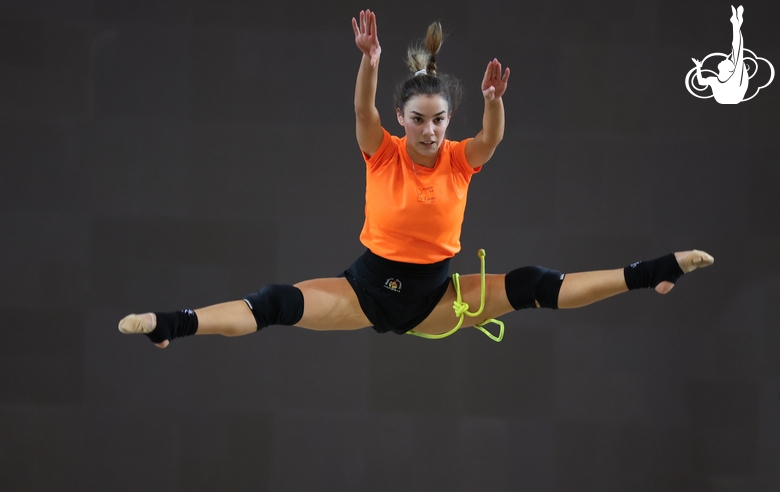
(421, 72)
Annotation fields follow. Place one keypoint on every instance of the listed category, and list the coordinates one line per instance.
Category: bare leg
(230, 319)
(329, 304)
(736, 34)
(577, 290)
(581, 289)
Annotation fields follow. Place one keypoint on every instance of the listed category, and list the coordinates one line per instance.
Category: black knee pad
(526, 285)
(276, 304)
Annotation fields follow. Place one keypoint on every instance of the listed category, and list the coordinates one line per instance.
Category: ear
(400, 116)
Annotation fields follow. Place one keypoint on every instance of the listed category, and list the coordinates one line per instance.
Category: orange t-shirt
(414, 214)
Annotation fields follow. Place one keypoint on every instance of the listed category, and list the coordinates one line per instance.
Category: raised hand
(494, 84)
(697, 62)
(366, 37)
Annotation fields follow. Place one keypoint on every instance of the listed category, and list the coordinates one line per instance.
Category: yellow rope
(462, 309)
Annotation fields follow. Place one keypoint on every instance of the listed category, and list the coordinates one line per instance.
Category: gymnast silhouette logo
(730, 84)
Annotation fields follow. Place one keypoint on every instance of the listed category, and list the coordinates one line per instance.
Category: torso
(414, 213)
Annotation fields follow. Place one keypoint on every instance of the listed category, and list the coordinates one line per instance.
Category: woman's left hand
(493, 84)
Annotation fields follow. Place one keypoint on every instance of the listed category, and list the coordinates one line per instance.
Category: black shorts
(397, 296)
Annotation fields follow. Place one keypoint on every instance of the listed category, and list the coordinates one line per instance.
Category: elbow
(495, 140)
(365, 114)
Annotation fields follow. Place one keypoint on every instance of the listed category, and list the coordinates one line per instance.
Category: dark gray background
(158, 155)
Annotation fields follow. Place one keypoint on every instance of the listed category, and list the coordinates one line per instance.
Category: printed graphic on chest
(426, 195)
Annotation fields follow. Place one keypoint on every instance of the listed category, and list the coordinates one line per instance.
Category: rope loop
(462, 309)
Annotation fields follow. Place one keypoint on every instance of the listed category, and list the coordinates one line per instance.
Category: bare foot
(140, 323)
(688, 261)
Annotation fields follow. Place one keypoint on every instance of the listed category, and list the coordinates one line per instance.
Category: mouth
(428, 144)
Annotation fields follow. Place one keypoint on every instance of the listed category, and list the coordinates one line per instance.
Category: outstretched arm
(481, 148)
(368, 125)
(701, 80)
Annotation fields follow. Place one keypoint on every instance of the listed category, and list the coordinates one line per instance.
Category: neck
(421, 160)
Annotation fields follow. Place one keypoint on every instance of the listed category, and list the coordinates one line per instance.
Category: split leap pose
(731, 84)
(416, 190)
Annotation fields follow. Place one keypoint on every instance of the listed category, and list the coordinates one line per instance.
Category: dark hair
(423, 57)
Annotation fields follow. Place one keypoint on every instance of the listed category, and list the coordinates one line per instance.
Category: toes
(691, 260)
(702, 259)
(137, 323)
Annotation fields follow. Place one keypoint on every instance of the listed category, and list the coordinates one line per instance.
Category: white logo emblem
(730, 84)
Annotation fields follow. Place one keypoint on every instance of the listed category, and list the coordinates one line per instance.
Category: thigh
(330, 304)
(443, 318)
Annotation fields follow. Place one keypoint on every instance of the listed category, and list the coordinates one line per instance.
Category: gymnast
(731, 84)
(416, 189)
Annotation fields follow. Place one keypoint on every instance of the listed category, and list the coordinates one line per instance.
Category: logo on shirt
(393, 284)
(425, 195)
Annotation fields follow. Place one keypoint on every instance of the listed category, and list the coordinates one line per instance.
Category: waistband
(420, 270)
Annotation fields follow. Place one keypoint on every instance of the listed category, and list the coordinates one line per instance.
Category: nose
(428, 129)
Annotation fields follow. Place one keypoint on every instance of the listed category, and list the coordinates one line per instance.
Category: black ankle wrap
(174, 325)
(647, 274)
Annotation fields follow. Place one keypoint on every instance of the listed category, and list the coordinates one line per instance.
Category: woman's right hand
(366, 37)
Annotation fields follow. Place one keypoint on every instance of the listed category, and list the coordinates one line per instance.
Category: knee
(276, 304)
(527, 285)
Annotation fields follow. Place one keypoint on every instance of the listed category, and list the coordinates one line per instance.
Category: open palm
(494, 84)
(366, 36)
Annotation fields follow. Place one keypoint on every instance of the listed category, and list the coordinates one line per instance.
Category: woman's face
(425, 119)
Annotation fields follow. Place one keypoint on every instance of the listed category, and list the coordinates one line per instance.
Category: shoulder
(386, 151)
(456, 149)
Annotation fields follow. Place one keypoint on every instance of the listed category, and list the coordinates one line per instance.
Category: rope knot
(461, 308)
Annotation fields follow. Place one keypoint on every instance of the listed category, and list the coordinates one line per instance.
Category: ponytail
(421, 60)
(423, 56)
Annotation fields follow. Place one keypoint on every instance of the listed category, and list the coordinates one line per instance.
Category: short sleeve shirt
(414, 214)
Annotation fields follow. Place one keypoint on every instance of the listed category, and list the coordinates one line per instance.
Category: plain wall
(160, 155)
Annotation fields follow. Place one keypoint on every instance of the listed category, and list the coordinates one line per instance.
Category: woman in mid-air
(416, 189)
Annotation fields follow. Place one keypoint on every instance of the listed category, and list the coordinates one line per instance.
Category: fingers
(355, 27)
(493, 71)
(365, 25)
(163, 344)
(360, 25)
(368, 21)
(375, 33)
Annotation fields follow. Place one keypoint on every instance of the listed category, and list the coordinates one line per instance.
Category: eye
(417, 119)
(439, 120)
